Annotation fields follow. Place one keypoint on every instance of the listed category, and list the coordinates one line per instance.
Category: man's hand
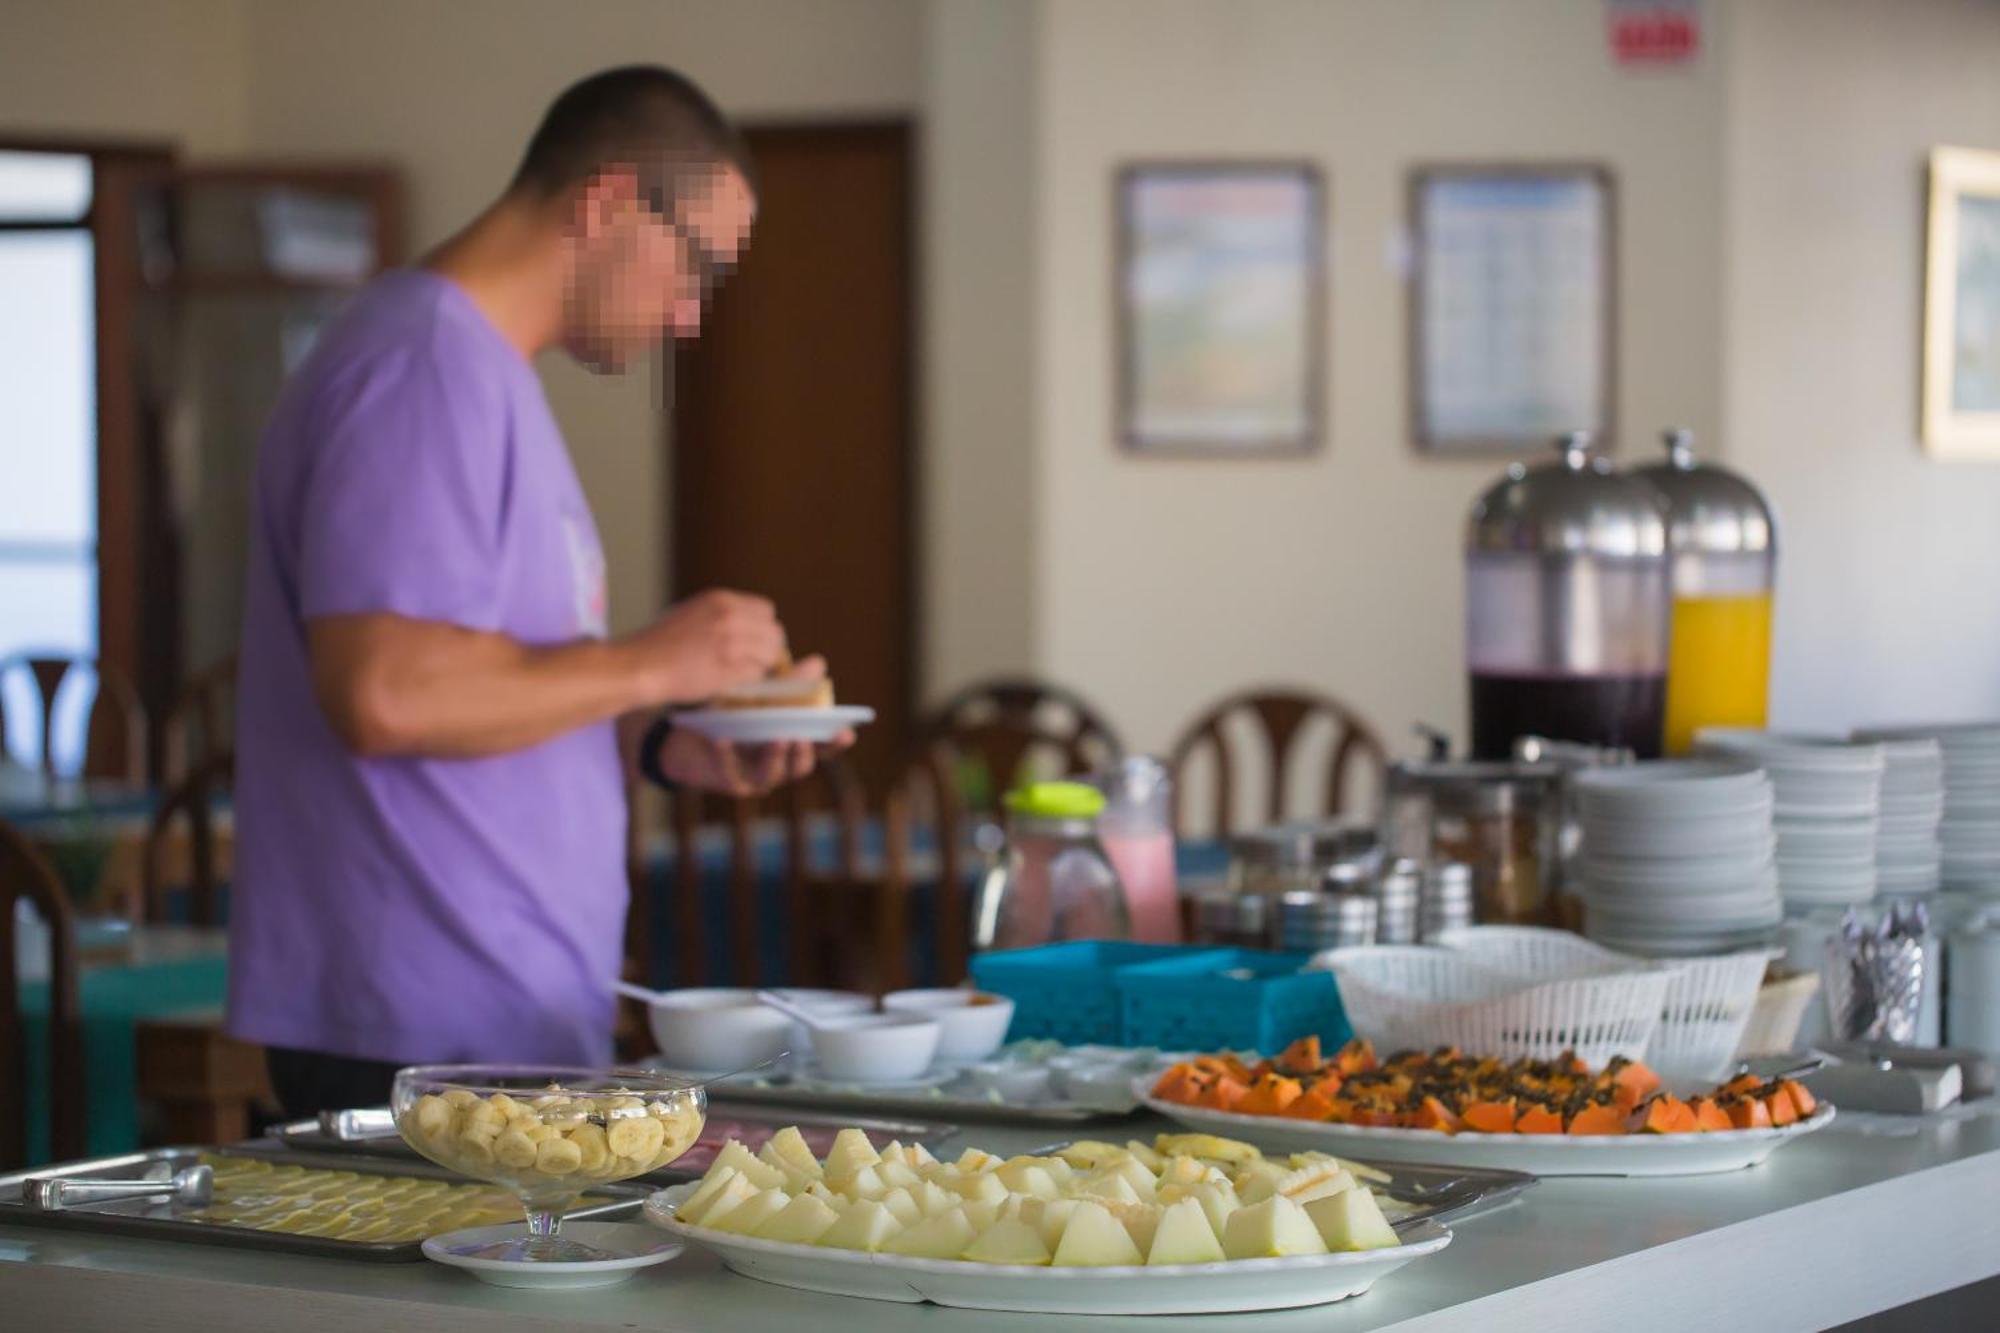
(693, 760)
(708, 644)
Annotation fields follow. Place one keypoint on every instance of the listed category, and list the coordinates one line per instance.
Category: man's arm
(391, 685)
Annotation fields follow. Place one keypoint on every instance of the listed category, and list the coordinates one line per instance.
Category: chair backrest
(694, 822)
(163, 867)
(1279, 718)
(114, 724)
(997, 732)
(25, 874)
(202, 720)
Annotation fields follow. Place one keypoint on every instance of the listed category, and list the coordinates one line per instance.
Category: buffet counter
(1861, 1217)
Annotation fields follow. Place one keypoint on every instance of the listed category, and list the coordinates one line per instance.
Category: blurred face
(642, 266)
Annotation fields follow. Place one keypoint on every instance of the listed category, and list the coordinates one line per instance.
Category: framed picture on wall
(1961, 410)
(1512, 305)
(1221, 327)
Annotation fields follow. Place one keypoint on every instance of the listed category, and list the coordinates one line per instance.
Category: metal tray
(372, 1132)
(847, 1104)
(1426, 1193)
(154, 1219)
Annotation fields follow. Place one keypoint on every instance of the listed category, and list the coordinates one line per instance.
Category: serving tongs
(189, 1187)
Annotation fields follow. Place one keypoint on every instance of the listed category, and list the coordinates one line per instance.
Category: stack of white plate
(1969, 834)
(1678, 857)
(1908, 860)
(1829, 798)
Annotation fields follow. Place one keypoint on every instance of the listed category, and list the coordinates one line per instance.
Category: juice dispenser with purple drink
(1567, 600)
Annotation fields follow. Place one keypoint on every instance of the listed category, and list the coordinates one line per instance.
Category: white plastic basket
(1707, 1005)
(1423, 996)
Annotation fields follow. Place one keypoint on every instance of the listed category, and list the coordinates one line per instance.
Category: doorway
(791, 430)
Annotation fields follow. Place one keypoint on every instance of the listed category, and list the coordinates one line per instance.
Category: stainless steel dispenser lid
(1576, 505)
(1709, 508)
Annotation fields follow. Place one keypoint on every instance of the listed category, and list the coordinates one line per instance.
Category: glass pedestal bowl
(547, 1133)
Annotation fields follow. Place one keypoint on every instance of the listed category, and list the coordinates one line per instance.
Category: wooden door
(791, 428)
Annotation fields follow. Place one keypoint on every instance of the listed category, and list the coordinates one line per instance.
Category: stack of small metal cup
(1445, 902)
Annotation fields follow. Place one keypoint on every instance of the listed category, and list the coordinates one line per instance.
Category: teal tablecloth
(115, 999)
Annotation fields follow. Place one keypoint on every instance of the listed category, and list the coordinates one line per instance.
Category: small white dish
(763, 726)
(876, 1048)
(1020, 1084)
(1106, 1087)
(631, 1245)
(974, 1023)
(717, 1028)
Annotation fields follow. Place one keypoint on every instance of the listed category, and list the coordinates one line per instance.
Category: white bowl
(975, 1023)
(714, 1029)
(876, 1048)
(822, 1004)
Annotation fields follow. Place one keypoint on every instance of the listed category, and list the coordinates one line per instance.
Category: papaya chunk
(1270, 1095)
(1489, 1117)
(1596, 1119)
(1664, 1114)
(1179, 1084)
(1748, 1113)
(1301, 1057)
(1357, 1057)
(1433, 1114)
(1802, 1099)
(1641, 1081)
(1742, 1085)
(1314, 1105)
(1538, 1120)
(1708, 1115)
(1783, 1110)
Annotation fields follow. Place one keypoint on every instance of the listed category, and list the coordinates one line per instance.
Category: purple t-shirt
(419, 910)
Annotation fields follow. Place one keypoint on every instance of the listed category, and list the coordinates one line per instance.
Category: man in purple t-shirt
(434, 732)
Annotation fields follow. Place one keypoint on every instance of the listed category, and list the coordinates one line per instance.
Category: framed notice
(1220, 320)
(1962, 306)
(1511, 310)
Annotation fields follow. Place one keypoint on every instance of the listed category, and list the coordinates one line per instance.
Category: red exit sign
(1653, 32)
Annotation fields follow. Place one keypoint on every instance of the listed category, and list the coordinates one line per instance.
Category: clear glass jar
(1054, 881)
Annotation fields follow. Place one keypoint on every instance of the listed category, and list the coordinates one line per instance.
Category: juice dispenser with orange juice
(1723, 547)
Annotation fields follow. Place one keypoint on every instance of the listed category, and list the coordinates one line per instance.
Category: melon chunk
(1272, 1229)
(1095, 1239)
(1184, 1237)
(1009, 1242)
(734, 1191)
(866, 1226)
(1352, 1220)
(850, 1152)
(944, 1236)
(752, 1213)
(802, 1222)
(761, 1174)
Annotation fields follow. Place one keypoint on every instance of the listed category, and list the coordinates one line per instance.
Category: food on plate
(556, 1137)
(1451, 1093)
(361, 1207)
(1182, 1199)
(780, 690)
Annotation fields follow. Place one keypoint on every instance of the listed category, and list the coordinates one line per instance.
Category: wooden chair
(114, 722)
(192, 800)
(202, 1081)
(202, 719)
(26, 874)
(1281, 717)
(997, 732)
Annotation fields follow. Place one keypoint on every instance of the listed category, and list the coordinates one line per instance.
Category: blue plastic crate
(1067, 992)
(1206, 1002)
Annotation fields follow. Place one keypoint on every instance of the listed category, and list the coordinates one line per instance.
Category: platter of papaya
(1548, 1117)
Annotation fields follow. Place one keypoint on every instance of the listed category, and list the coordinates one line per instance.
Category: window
(48, 425)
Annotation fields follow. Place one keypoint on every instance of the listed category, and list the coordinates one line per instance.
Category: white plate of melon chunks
(1192, 1224)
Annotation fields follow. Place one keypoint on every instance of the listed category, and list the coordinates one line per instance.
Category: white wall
(168, 70)
(451, 90)
(1165, 583)
(977, 279)
(1887, 573)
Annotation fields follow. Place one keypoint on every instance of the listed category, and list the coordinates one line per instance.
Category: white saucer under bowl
(630, 1245)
